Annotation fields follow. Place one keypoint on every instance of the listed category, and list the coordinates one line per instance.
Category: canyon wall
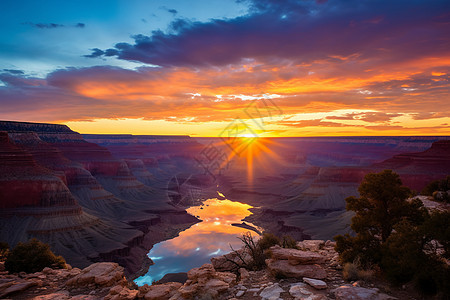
(77, 196)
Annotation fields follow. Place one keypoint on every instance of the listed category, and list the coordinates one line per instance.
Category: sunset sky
(201, 67)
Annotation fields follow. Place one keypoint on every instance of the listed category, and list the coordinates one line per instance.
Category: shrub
(397, 236)
(350, 272)
(32, 256)
(256, 252)
(289, 242)
(353, 272)
(268, 240)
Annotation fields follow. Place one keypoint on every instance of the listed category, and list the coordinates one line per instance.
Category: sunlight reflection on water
(196, 245)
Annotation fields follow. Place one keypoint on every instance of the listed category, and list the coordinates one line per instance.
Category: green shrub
(268, 240)
(396, 236)
(288, 242)
(32, 256)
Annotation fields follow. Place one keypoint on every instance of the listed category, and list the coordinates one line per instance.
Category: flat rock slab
(297, 257)
(159, 291)
(271, 292)
(283, 267)
(103, 274)
(315, 283)
(17, 287)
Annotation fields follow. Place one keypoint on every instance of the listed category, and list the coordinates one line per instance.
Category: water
(196, 245)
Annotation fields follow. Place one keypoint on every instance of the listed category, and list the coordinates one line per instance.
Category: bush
(353, 272)
(259, 250)
(350, 272)
(32, 256)
(289, 242)
(397, 236)
(268, 240)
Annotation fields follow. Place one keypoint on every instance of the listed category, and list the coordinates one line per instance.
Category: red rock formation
(418, 169)
(25, 183)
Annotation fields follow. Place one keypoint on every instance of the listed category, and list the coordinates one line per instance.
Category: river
(196, 245)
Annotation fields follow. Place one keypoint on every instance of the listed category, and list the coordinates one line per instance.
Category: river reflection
(196, 245)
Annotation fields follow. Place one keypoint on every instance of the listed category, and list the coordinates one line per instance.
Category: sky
(228, 67)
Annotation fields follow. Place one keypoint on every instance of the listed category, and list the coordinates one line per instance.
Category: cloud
(169, 10)
(96, 52)
(429, 115)
(53, 25)
(14, 72)
(380, 33)
(372, 117)
(387, 61)
(166, 94)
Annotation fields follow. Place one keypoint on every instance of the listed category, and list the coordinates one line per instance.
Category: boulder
(205, 282)
(315, 283)
(216, 284)
(271, 292)
(299, 291)
(17, 287)
(188, 291)
(312, 245)
(101, 274)
(159, 291)
(297, 257)
(284, 268)
(204, 272)
(226, 277)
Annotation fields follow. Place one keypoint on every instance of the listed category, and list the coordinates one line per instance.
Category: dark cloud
(169, 10)
(52, 25)
(95, 53)
(380, 32)
(14, 72)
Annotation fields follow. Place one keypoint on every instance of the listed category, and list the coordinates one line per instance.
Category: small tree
(381, 205)
(32, 256)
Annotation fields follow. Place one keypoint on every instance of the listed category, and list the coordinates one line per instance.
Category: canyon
(111, 197)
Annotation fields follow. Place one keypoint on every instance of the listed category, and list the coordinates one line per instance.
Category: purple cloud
(301, 31)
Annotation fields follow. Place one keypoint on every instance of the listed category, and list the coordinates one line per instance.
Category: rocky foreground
(311, 273)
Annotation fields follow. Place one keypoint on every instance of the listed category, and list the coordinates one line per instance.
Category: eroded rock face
(101, 274)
